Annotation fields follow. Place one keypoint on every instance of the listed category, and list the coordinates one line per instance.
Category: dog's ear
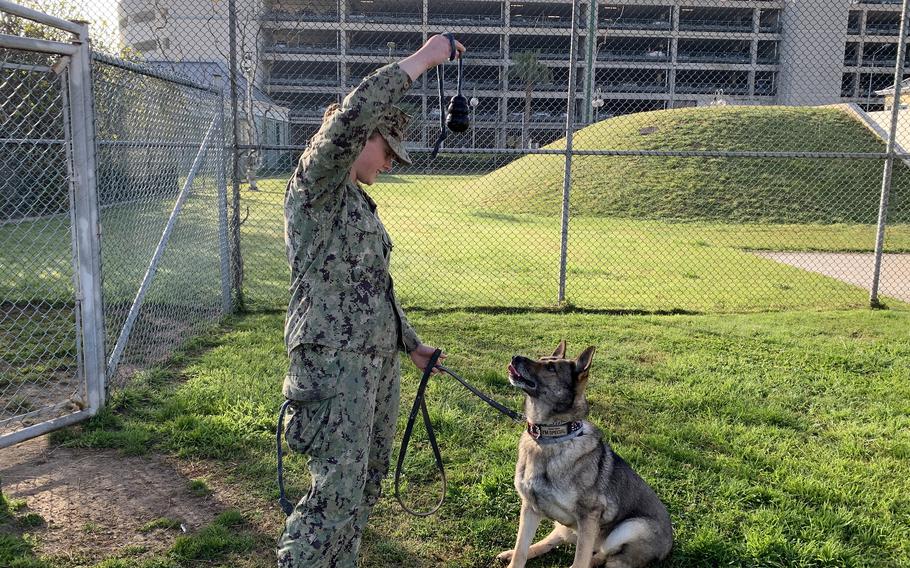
(583, 363)
(560, 352)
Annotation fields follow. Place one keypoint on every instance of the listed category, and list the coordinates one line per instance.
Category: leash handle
(420, 404)
(443, 132)
(286, 505)
(451, 37)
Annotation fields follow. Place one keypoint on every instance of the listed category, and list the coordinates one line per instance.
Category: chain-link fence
(629, 155)
(724, 156)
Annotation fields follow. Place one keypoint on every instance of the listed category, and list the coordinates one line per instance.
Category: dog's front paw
(505, 556)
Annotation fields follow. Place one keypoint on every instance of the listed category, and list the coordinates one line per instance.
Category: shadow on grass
(567, 309)
(384, 551)
(497, 216)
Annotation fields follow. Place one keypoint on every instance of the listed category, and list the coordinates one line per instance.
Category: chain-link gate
(91, 141)
(51, 370)
(161, 188)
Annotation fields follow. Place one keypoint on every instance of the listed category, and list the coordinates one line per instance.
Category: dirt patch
(95, 502)
(38, 372)
(158, 329)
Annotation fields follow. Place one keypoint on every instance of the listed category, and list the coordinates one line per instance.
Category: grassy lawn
(777, 439)
(451, 251)
(36, 258)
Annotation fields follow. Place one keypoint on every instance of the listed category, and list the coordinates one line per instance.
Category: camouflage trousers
(346, 427)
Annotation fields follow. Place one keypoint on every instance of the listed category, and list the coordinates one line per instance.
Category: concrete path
(880, 125)
(853, 268)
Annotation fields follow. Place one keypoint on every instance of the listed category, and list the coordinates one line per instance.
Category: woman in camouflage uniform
(344, 324)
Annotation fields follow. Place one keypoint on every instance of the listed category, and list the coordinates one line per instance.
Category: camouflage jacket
(338, 250)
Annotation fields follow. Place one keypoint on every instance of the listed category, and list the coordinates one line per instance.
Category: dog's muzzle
(517, 380)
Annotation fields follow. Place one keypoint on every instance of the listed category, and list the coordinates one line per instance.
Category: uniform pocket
(305, 430)
(313, 373)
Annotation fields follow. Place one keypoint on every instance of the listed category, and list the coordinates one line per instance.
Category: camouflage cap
(392, 126)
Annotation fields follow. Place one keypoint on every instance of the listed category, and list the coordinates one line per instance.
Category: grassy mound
(774, 190)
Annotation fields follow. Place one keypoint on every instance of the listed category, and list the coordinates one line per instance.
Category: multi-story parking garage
(633, 55)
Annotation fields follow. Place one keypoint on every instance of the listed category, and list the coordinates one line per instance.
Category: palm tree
(529, 71)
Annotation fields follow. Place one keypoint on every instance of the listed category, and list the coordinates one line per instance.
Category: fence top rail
(150, 72)
(41, 17)
(40, 45)
(648, 153)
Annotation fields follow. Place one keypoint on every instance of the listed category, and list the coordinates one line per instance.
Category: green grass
(161, 523)
(454, 248)
(777, 439)
(199, 488)
(16, 549)
(450, 252)
(37, 266)
(738, 190)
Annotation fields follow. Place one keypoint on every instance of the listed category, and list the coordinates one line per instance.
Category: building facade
(632, 56)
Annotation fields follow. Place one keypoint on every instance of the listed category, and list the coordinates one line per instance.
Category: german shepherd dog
(567, 472)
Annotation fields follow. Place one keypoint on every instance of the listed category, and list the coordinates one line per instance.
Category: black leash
(286, 505)
(420, 404)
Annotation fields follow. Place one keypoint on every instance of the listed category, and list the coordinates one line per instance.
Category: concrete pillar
(753, 50)
(812, 51)
(503, 134)
(673, 46)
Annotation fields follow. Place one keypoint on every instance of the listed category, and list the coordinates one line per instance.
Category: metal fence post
(889, 160)
(590, 64)
(88, 226)
(567, 176)
(236, 256)
(224, 247)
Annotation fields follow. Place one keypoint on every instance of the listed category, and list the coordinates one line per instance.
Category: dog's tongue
(513, 371)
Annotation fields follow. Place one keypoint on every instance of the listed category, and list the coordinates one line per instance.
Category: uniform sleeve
(328, 159)
(410, 339)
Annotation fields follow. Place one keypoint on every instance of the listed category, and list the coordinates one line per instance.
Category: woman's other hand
(421, 357)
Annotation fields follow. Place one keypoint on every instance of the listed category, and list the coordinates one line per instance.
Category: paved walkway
(880, 124)
(853, 268)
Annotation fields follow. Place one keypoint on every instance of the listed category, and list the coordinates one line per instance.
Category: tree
(529, 71)
(33, 181)
(249, 53)
(102, 35)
